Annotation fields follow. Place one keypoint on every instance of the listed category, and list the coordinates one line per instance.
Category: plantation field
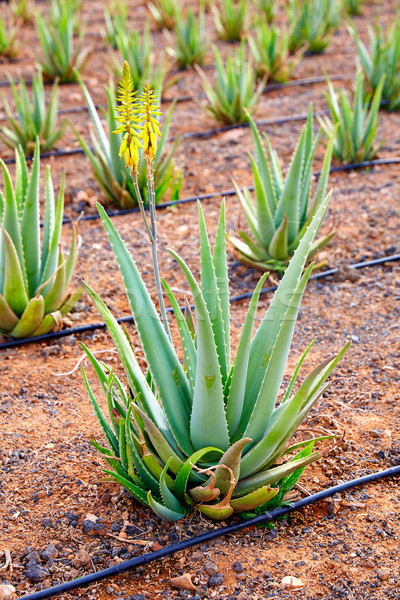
(58, 520)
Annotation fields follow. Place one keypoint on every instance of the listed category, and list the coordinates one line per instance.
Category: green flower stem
(141, 206)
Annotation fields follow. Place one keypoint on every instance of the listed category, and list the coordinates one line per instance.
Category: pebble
(7, 592)
(215, 580)
(183, 582)
(211, 568)
(237, 566)
(36, 573)
(196, 556)
(81, 559)
(383, 574)
(291, 583)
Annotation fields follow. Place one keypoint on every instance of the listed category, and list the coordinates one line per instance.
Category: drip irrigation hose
(129, 318)
(207, 536)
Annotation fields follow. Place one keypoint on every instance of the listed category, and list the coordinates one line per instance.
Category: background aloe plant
(353, 128)
(163, 13)
(190, 41)
(382, 59)
(209, 433)
(115, 17)
(23, 10)
(110, 170)
(234, 89)
(9, 44)
(283, 208)
(231, 19)
(33, 119)
(33, 277)
(312, 23)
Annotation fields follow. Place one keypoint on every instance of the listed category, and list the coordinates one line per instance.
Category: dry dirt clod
(184, 582)
(211, 568)
(7, 592)
(291, 583)
(81, 559)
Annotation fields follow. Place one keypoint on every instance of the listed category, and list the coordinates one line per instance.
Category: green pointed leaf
(162, 511)
(30, 226)
(14, 290)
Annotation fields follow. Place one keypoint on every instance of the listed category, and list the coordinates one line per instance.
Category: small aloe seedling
(33, 120)
(354, 7)
(231, 20)
(353, 128)
(312, 23)
(163, 13)
(63, 58)
(110, 170)
(209, 433)
(270, 50)
(234, 90)
(23, 10)
(383, 58)
(9, 45)
(283, 208)
(34, 275)
(137, 50)
(190, 42)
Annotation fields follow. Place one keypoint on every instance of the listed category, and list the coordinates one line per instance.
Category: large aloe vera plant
(283, 208)
(209, 433)
(34, 275)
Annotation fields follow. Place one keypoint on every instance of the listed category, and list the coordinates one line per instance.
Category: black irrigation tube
(129, 318)
(207, 536)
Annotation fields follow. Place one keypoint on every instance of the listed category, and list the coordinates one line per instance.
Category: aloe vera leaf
(72, 258)
(216, 512)
(248, 208)
(210, 293)
(49, 216)
(222, 278)
(168, 497)
(134, 374)
(263, 166)
(55, 295)
(265, 219)
(267, 332)
(137, 492)
(167, 372)
(186, 469)
(234, 404)
(272, 476)
(231, 459)
(105, 145)
(49, 322)
(30, 319)
(8, 319)
(11, 218)
(256, 423)
(30, 225)
(254, 498)
(289, 200)
(53, 253)
(108, 432)
(21, 180)
(189, 348)
(208, 425)
(296, 372)
(162, 511)
(14, 290)
(278, 246)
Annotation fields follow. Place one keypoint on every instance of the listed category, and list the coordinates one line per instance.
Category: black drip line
(207, 536)
(129, 318)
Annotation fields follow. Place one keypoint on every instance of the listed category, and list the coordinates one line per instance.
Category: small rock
(50, 552)
(291, 583)
(7, 592)
(157, 546)
(215, 580)
(82, 196)
(237, 566)
(196, 556)
(184, 582)
(211, 568)
(383, 574)
(35, 573)
(33, 557)
(81, 559)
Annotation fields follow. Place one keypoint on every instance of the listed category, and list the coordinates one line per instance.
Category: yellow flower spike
(130, 120)
(148, 111)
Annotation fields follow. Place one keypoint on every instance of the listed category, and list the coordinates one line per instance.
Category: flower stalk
(138, 121)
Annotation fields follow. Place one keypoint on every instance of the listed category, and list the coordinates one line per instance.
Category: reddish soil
(346, 547)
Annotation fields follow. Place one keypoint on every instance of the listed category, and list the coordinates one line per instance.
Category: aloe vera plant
(270, 50)
(312, 23)
(9, 45)
(383, 58)
(231, 20)
(267, 9)
(23, 10)
(209, 433)
(115, 18)
(234, 91)
(163, 13)
(190, 46)
(283, 208)
(110, 170)
(33, 118)
(64, 57)
(34, 275)
(353, 128)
